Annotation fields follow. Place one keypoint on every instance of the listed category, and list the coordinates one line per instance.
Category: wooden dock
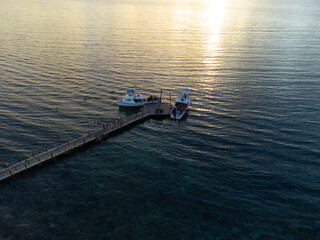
(105, 130)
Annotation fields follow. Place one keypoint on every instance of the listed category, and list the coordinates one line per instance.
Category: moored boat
(133, 99)
(181, 105)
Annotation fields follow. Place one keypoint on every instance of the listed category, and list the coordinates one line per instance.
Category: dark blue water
(245, 162)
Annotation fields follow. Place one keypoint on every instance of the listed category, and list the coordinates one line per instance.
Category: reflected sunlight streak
(214, 18)
(215, 14)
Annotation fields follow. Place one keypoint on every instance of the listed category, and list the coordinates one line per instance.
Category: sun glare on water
(214, 19)
(215, 13)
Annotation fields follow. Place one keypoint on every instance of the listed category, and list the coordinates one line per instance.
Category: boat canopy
(184, 91)
(130, 91)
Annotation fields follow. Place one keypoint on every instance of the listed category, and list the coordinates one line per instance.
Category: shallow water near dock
(245, 162)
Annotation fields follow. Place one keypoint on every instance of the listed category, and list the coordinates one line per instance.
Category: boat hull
(179, 115)
(132, 104)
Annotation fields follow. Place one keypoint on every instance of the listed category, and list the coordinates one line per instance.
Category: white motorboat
(181, 105)
(133, 99)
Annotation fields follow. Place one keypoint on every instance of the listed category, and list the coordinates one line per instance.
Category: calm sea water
(245, 163)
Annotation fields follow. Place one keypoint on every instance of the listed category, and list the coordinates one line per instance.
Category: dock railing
(106, 128)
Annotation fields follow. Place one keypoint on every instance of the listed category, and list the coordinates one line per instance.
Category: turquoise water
(243, 165)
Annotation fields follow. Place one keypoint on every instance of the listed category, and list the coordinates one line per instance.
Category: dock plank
(148, 111)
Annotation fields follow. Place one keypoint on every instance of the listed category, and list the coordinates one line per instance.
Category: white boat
(181, 105)
(133, 99)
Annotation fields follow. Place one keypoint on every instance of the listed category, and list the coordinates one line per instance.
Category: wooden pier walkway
(148, 111)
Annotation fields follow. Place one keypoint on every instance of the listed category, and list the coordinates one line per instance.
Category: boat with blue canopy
(133, 99)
